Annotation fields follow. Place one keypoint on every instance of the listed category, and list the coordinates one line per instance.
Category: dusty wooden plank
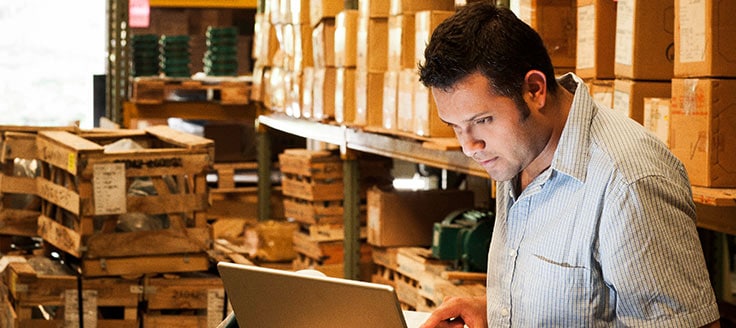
(182, 291)
(59, 195)
(138, 243)
(60, 236)
(312, 190)
(145, 264)
(17, 184)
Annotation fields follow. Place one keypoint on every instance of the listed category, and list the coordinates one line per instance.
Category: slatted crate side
(40, 282)
(141, 265)
(313, 212)
(196, 299)
(316, 164)
(313, 190)
(147, 90)
(76, 169)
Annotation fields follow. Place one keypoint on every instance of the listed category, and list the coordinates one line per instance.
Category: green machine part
(464, 236)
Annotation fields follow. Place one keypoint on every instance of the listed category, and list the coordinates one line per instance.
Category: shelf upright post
(263, 157)
(118, 57)
(351, 214)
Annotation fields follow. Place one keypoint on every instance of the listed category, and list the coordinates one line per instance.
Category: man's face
(491, 129)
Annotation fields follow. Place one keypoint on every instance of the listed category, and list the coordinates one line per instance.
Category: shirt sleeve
(651, 256)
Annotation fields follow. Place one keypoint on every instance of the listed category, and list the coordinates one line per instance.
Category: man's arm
(459, 312)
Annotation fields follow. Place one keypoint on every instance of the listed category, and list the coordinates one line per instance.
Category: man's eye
(484, 120)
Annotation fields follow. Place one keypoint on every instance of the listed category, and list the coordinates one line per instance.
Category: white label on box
(692, 31)
(109, 188)
(71, 308)
(215, 307)
(621, 103)
(603, 98)
(625, 32)
(586, 37)
(657, 117)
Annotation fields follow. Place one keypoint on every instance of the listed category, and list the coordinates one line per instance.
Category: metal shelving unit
(351, 141)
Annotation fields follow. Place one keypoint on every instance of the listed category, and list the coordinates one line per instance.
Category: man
(595, 221)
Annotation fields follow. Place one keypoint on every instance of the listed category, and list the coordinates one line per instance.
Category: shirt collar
(572, 154)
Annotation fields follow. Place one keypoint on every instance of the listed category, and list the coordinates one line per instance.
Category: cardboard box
(369, 98)
(657, 118)
(374, 8)
(323, 44)
(324, 9)
(345, 95)
(405, 100)
(602, 92)
(645, 39)
(372, 44)
(390, 99)
(307, 92)
(702, 136)
(303, 44)
(265, 43)
(556, 23)
(425, 23)
(401, 42)
(298, 12)
(596, 36)
(323, 99)
(406, 218)
(427, 121)
(410, 7)
(705, 35)
(346, 36)
(628, 96)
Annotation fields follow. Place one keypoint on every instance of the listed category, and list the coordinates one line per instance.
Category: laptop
(263, 297)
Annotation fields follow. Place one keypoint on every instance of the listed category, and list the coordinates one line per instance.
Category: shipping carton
(406, 218)
(602, 92)
(324, 9)
(596, 39)
(410, 7)
(427, 122)
(657, 118)
(345, 95)
(705, 35)
(702, 134)
(390, 99)
(323, 44)
(645, 39)
(556, 23)
(323, 96)
(374, 8)
(628, 96)
(372, 44)
(346, 36)
(425, 23)
(401, 41)
(405, 100)
(369, 98)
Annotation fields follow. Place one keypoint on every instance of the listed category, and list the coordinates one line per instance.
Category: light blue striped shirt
(605, 237)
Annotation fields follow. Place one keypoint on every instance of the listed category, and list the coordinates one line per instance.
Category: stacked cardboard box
(556, 23)
(702, 118)
(644, 54)
(596, 37)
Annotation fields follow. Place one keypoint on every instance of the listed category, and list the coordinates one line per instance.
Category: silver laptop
(263, 298)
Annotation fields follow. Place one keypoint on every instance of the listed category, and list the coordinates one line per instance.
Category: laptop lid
(263, 298)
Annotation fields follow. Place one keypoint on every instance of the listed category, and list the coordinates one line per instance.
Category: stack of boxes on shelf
(702, 119)
(313, 188)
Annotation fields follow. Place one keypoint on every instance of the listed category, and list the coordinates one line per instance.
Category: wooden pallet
(82, 184)
(141, 265)
(42, 283)
(154, 90)
(313, 212)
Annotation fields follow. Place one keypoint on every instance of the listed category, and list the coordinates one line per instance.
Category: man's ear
(535, 89)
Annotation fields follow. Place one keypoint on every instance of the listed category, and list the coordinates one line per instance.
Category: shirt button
(505, 312)
(512, 252)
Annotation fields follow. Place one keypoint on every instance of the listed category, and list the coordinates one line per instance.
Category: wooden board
(152, 90)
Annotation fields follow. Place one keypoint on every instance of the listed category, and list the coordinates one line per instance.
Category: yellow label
(72, 163)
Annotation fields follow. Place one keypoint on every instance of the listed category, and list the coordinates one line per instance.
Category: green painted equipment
(464, 236)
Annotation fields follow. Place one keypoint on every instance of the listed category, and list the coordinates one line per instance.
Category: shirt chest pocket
(552, 288)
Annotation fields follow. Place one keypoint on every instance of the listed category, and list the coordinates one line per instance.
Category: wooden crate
(306, 188)
(141, 265)
(316, 164)
(313, 212)
(86, 190)
(188, 300)
(41, 282)
(20, 206)
(242, 204)
(156, 90)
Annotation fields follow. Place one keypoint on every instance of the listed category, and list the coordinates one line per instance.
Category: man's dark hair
(491, 40)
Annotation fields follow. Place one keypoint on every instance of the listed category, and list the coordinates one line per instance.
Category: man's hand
(459, 312)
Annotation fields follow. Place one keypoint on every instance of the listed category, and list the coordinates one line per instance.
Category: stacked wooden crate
(42, 292)
(190, 299)
(20, 206)
(88, 192)
(313, 189)
(421, 281)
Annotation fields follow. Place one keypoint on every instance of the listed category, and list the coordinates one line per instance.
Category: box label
(692, 31)
(109, 188)
(625, 32)
(586, 37)
(621, 102)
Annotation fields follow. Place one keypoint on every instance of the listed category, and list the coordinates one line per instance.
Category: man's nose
(471, 145)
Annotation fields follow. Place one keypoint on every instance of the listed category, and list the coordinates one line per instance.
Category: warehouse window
(49, 52)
